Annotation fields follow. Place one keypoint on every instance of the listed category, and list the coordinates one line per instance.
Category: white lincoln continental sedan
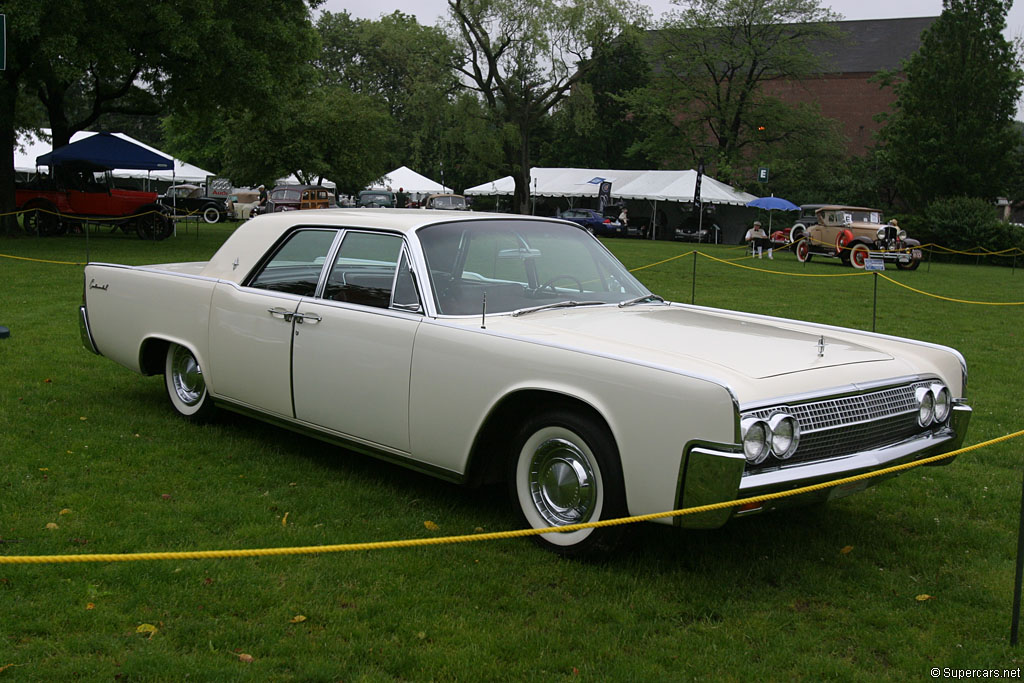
(482, 348)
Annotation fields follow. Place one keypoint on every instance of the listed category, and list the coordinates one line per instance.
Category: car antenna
(483, 314)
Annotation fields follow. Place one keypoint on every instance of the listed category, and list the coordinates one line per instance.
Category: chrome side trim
(345, 441)
(83, 328)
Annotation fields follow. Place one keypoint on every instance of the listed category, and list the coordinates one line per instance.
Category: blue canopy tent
(107, 151)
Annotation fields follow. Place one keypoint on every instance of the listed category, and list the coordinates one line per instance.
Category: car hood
(693, 339)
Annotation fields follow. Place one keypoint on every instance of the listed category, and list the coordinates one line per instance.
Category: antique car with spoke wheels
(489, 348)
(854, 234)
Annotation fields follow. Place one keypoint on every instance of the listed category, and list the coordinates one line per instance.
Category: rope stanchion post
(874, 303)
(1019, 575)
(693, 282)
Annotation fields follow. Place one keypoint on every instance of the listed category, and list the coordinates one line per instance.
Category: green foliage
(951, 132)
(595, 126)
(965, 224)
(710, 94)
(522, 59)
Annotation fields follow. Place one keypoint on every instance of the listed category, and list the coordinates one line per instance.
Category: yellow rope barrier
(39, 260)
(776, 272)
(519, 533)
(946, 298)
(651, 265)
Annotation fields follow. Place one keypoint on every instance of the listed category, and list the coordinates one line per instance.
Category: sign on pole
(762, 174)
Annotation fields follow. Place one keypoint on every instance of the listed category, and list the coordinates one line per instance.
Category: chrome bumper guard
(716, 475)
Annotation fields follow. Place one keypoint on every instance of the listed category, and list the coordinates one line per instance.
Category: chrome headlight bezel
(943, 402)
(925, 405)
(785, 435)
(756, 438)
(880, 235)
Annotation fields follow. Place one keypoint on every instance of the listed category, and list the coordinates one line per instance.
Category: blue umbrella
(772, 203)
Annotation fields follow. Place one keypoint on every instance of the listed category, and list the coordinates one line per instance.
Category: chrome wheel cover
(562, 483)
(187, 377)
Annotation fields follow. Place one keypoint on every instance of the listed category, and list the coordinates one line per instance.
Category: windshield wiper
(640, 300)
(558, 304)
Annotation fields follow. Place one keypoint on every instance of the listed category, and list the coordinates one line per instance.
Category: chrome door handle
(281, 313)
(311, 318)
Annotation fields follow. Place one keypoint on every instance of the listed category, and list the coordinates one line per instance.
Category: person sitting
(758, 240)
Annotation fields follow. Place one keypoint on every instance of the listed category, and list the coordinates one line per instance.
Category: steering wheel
(556, 278)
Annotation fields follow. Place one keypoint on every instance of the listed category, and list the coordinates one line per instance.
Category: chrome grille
(835, 427)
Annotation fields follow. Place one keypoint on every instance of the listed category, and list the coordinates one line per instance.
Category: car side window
(364, 270)
(297, 265)
(405, 297)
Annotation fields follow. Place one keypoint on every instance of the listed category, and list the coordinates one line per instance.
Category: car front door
(353, 344)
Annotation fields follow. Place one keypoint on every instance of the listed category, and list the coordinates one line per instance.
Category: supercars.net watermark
(948, 672)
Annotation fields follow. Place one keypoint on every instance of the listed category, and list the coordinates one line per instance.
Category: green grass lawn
(96, 451)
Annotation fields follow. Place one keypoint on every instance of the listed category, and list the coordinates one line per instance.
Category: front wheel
(185, 384)
(803, 250)
(859, 255)
(915, 260)
(564, 469)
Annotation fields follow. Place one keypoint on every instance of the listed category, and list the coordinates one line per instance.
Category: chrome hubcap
(188, 377)
(562, 483)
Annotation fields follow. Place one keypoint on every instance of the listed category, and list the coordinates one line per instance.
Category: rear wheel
(564, 469)
(185, 384)
(803, 250)
(859, 254)
(153, 225)
(211, 214)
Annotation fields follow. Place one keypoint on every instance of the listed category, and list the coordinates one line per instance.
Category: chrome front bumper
(715, 475)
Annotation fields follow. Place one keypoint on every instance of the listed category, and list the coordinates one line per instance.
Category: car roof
(251, 240)
(837, 207)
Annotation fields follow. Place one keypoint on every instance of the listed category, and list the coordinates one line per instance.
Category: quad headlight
(934, 403)
(779, 435)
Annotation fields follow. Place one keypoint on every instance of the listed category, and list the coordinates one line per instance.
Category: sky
(428, 12)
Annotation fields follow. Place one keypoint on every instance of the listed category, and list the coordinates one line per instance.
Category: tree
(403, 65)
(595, 126)
(714, 64)
(86, 59)
(951, 132)
(522, 57)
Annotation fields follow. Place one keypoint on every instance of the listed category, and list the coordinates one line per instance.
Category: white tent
(410, 182)
(31, 145)
(662, 186)
(293, 180)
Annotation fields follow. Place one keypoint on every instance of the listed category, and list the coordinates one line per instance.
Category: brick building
(843, 90)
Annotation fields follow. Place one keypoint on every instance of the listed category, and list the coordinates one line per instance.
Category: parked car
(789, 236)
(187, 199)
(453, 202)
(83, 192)
(377, 198)
(296, 198)
(595, 222)
(242, 204)
(855, 234)
(490, 347)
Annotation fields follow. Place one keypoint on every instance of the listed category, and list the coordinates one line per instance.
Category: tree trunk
(8, 100)
(520, 159)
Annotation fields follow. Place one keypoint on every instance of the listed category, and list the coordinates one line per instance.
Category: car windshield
(284, 195)
(374, 198)
(519, 264)
(448, 203)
